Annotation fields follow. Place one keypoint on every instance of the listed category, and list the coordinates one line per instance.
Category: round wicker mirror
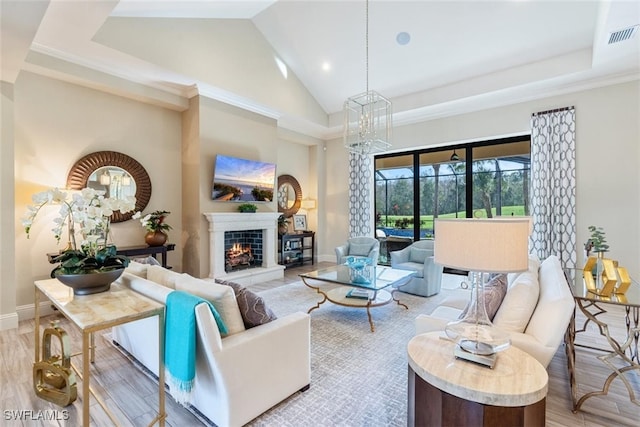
(289, 195)
(115, 173)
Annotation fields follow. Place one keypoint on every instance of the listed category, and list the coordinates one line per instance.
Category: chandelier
(367, 116)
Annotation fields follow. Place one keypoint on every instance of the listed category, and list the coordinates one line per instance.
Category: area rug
(358, 377)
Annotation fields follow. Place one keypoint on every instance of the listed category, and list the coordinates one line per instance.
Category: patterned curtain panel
(359, 195)
(553, 195)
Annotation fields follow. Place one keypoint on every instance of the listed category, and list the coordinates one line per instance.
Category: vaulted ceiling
(431, 58)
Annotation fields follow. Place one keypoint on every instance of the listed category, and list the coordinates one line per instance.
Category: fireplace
(255, 233)
(242, 249)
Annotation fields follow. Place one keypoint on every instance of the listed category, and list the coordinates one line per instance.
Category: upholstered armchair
(418, 257)
(358, 246)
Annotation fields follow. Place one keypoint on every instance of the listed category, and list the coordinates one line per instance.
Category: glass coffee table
(357, 288)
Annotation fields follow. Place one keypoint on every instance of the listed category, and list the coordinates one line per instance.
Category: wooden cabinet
(296, 249)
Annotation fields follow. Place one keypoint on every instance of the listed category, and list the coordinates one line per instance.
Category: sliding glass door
(484, 179)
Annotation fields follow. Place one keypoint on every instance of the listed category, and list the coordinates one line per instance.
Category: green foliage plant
(154, 221)
(247, 207)
(597, 241)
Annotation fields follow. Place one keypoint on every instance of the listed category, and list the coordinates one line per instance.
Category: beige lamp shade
(483, 245)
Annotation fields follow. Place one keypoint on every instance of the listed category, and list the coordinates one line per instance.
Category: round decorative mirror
(117, 174)
(289, 195)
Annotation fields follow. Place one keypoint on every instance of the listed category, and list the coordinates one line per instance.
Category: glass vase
(599, 269)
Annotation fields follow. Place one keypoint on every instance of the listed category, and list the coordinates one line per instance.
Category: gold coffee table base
(338, 296)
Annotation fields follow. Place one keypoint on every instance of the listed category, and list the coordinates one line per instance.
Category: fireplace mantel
(219, 222)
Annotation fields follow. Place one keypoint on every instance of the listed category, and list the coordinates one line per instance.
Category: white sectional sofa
(536, 309)
(238, 376)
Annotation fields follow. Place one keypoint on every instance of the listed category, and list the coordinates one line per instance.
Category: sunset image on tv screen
(243, 180)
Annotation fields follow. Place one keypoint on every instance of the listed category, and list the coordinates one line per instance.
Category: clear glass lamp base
(475, 333)
(477, 338)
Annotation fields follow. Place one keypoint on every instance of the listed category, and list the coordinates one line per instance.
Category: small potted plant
(156, 227)
(283, 224)
(247, 207)
(597, 242)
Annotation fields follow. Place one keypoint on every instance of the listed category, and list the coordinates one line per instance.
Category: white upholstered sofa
(536, 309)
(238, 376)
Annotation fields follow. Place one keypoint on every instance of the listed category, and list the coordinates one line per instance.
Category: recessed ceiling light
(403, 38)
(326, 66)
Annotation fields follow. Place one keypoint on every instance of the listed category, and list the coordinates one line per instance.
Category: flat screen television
(243, 180)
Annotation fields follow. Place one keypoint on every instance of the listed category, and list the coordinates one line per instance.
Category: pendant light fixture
(454, 156)
(367, 116)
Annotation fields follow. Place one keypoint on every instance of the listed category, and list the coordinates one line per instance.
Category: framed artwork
(300, 222)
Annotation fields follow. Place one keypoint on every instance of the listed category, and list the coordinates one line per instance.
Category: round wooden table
(445, 391)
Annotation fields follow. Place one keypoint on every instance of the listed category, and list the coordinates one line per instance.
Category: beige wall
(8, 315)
(230, 131)
(57, 123)
(227, 130)
(233, 53)
(607, 164)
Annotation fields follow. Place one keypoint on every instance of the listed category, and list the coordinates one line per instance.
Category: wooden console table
(444, 391)
(133, 251)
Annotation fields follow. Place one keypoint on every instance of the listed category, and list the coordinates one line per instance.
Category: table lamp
(481, 246)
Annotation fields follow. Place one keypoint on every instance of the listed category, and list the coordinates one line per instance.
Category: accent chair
(358, 246)
(418, 257)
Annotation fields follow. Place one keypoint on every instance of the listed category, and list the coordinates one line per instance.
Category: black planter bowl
(92, 283)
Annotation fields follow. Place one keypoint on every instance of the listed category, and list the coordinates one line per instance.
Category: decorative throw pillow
(359, 249)
(163, 276)
(222, 298)
(253, 309)
(494, 293)
(519, 303)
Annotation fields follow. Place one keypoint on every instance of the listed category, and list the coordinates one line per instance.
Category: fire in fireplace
(243, 249)
(238, 256)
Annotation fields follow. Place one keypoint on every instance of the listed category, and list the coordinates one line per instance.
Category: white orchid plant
(86, 214)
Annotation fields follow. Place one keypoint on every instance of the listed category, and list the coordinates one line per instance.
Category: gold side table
(622, 357)
(96, 312)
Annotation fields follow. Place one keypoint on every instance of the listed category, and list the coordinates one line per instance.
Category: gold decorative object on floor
(53, 378)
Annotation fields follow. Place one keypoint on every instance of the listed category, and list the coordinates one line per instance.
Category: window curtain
(359, 195)
(553, 195)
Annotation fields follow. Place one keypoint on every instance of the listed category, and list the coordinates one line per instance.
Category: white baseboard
(28, 311)
(326, 258)
(8, 321)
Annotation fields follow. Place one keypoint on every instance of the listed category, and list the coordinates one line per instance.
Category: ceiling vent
(622, 35)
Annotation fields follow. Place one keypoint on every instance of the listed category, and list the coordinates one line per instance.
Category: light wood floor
(132, 396)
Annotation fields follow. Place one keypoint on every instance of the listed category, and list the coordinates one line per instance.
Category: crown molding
(175, 94)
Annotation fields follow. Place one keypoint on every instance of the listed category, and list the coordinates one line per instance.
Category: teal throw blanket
(180, 342)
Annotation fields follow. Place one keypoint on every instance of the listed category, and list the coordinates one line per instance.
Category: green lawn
(427, 220)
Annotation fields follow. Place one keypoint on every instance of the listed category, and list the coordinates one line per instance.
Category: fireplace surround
(221, 222)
